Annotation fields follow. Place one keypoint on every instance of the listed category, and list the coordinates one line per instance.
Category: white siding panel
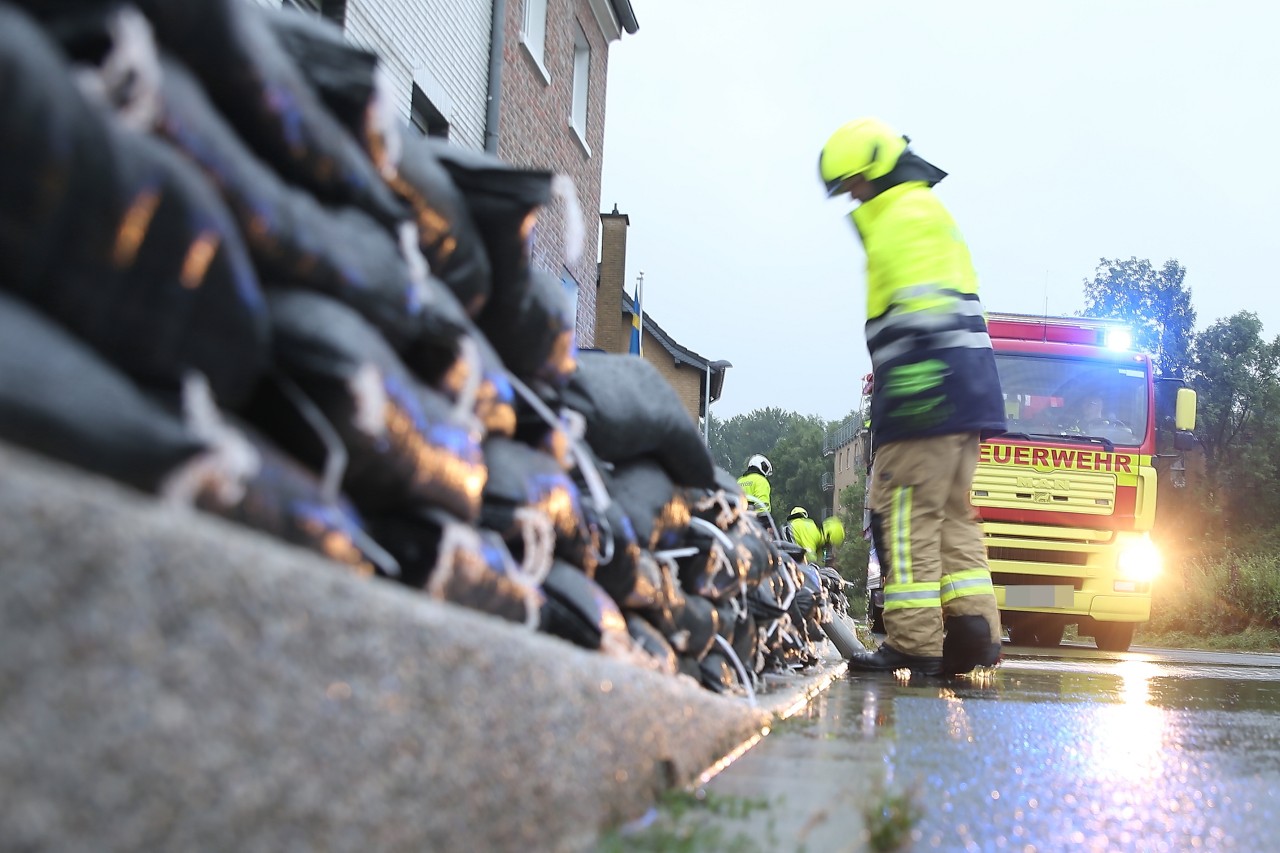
(448, 38)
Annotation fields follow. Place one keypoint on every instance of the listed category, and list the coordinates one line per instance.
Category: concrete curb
(171, 681)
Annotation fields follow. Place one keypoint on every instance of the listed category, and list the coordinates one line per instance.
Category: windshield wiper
(1106, 443)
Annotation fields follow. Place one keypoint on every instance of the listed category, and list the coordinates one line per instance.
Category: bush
(1227, 593)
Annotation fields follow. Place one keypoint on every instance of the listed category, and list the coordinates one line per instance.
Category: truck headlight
(1140, 560)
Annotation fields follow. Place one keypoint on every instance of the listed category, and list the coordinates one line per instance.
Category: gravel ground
(171, 681)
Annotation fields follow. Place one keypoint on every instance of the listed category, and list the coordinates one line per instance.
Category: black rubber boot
(888, 659)
(967, 644)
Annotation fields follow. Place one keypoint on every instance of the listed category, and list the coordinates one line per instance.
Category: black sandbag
(631, 411)
(117, 236)
(59, 398)
(282, 498)
(447, 234)
(293, 238)
(657, 508)
(256, 84)
(718, 674)
(717, 571)
(532, 329)
(621, 575)
(503, 201)
(578, 610)
(746, 642)
(342, 74)
(407, 446)
(525, 480)
(652, 642)
(475, 569)
(699, 623)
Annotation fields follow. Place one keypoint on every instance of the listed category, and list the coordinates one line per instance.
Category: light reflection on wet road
(1074, 749)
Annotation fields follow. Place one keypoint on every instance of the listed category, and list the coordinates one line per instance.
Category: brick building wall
(685, 379)
(535, 131)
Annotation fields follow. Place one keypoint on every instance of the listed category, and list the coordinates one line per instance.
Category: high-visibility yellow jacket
(926, 330)
(806, 533)
(756, 485)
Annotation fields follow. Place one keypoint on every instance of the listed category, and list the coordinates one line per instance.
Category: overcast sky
(1072, 131)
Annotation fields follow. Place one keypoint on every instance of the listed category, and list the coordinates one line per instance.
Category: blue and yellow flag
(637, 315)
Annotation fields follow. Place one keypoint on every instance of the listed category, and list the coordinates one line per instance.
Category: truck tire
(841, 635)
(875, 618)
(1113, 636)
(1039, 632)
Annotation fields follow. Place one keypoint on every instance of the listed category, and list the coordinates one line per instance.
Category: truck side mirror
(1184, 417)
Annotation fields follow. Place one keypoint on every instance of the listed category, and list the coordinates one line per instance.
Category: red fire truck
(1068, 496)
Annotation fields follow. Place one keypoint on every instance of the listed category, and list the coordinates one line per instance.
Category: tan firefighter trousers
(937, 560)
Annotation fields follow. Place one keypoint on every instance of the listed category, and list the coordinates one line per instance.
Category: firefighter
(805, 532)
(936, 393)
(755, 481)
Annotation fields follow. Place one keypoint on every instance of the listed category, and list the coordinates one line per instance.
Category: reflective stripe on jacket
(934, 369)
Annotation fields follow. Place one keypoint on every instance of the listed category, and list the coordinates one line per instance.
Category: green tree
(1155, 303)
(1236, 375)
(734, 441)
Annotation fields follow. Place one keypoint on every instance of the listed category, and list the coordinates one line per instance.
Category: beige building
(847, 448)
(698, 380)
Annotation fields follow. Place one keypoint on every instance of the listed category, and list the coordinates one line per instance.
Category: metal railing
(838, 438)
(828, 482)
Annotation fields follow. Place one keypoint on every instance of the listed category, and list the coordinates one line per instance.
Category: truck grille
(1036, 555)
(1012, 579)
(1009, 487)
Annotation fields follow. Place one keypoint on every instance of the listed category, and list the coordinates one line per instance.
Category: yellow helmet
(865, 146)
(798, 512)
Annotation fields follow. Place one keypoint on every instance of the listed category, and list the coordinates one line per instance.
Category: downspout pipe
(493, 103)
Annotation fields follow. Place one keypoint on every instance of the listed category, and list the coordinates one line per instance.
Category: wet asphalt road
(1063, 749)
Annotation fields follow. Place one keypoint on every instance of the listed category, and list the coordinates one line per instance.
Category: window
(581, 85)
(425, 116)
(533, 34)
(1047, 397)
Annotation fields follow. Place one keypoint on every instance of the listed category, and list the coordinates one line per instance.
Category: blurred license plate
(1039, 596)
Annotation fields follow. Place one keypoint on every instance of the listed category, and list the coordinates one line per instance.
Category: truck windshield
(1072, 397)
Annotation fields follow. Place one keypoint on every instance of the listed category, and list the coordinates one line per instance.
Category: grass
(890, 817)
(1228, 600)
(692, 822)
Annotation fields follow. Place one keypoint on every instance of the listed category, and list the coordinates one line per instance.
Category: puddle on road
(1107, 754)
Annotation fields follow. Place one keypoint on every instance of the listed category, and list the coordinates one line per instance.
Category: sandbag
(579, 611)
(447, 234)
(118, 237)
(456, 563)
(631, 411)
(717, 570)
(293, 238)
(282, 498)
(342, 74)
(233, 50)
(532, 329)
(504, 201)
(59, 398)
(526, 486)
(652, 642)
(657, 508)
(407, 446)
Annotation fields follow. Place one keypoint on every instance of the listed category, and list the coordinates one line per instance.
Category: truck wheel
(875, 616)
(1113, 636)
(1037, 631)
